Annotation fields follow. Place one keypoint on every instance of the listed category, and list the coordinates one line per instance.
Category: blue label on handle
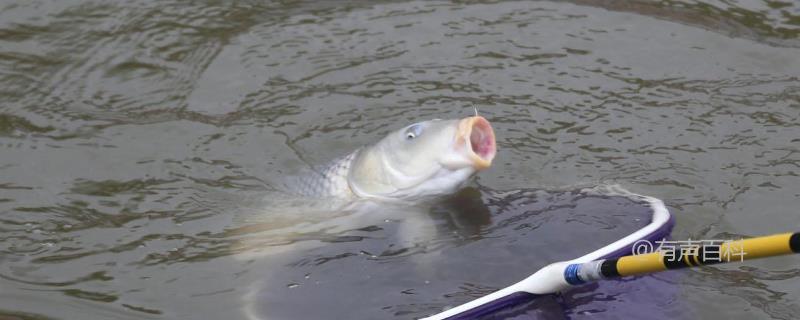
(571, 274)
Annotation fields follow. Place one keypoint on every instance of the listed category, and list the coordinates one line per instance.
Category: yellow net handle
(701, 253)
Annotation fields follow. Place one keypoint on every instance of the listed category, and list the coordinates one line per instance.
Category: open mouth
(480, 144)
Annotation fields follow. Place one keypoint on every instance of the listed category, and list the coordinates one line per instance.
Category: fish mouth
(477, 137)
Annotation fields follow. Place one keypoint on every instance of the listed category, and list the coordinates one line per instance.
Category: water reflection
(465, 213)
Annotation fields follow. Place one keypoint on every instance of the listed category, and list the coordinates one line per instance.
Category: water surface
(142, 140)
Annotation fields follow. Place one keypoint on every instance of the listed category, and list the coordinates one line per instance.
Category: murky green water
(140, 142)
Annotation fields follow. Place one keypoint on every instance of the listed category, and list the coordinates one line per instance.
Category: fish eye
(413, 131)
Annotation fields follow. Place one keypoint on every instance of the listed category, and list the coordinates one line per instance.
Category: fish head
(424, 159)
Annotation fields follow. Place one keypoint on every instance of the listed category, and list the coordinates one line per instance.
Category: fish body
(424, 159)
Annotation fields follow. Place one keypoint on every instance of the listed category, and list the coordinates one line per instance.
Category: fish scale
(331, 181)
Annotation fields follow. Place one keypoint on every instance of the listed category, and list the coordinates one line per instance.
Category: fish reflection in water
(350, 232)
(312, 234)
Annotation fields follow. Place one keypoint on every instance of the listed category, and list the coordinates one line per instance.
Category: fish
(422, 160)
